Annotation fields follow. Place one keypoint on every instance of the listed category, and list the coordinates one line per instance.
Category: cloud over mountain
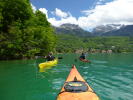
(60, 13)
(69, 19)
(114, 12)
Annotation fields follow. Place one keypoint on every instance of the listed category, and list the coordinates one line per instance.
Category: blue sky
(86, 13)
(72, 6)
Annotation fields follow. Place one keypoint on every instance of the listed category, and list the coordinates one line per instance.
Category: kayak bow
(76, 88)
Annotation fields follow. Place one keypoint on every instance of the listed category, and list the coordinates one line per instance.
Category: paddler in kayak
(83, 56)
(51, 61)
(50, 57)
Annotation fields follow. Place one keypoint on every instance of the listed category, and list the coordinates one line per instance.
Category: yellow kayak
(47, 64)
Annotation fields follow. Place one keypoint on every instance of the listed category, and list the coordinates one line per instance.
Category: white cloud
(65, 17)
(115, 12)
(44, 10)
(70, 19)
(60, 13)
(33, 8)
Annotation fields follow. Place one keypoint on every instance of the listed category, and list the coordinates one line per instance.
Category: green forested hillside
(71, 43)
(23, 34)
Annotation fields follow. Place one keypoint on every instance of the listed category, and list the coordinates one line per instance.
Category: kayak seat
(75, 86)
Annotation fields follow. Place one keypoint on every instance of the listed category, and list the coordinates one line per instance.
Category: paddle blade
(60, 57)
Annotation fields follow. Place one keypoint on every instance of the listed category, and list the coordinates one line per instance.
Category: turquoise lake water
(110, 76)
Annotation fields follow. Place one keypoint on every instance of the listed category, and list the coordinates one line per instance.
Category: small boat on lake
(48, 64)
(84, 60)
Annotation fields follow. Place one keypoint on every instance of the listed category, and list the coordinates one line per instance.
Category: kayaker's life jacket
(82, 56)
(50, 58)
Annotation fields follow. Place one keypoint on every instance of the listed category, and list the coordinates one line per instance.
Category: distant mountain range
(103, 30)
(99, 30)
(113, 30)
(72, 29)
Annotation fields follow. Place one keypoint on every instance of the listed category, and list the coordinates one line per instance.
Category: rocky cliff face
(103, 30)
(123, 31)
(113, 30)
(72, 29)
(99, 30)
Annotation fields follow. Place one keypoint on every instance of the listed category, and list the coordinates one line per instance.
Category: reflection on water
(111, 77)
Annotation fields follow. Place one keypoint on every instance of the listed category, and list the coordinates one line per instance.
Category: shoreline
(41, 57)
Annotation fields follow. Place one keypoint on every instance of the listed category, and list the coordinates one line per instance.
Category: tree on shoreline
(23, 33)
